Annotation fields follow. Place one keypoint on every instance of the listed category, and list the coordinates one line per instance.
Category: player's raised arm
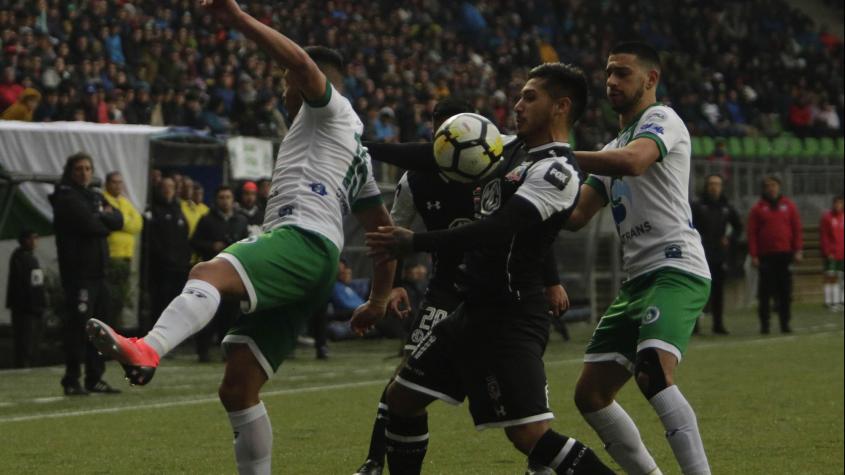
(415, 156)
(301, 68)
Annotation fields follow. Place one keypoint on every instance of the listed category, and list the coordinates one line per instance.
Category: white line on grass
(201, 400)
(183, 402)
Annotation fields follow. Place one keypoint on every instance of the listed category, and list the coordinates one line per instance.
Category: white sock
(187, 314)
(253, 440)
(830, 291)
(622, 439)
(681, 430)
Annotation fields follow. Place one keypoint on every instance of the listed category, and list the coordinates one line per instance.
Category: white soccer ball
(467, 148)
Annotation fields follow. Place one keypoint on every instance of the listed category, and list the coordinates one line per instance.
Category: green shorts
(832, 266)
(655, 310)
(288, 274)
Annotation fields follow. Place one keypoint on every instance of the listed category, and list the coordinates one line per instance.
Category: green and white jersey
(652, 211)
(322, 171)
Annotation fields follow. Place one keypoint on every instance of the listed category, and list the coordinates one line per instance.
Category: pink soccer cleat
(138, 359)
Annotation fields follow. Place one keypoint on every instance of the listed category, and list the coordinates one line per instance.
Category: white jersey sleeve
(403, 211)
(551, 185)
(369, 195)
(663, 126)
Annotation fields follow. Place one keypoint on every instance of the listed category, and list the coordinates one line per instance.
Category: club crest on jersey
(673, 251)
(491, 197)
(651, 315)
(558, 176)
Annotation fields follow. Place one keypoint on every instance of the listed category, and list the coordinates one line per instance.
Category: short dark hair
(643, 51)
(25, 234)
(224, 188)
(838, 197)
(111, 175)
(564, 80)
(71, 162)
(325, 56)
(772, 177)
(449, 106)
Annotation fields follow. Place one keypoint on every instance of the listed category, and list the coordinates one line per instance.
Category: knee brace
(648, 366)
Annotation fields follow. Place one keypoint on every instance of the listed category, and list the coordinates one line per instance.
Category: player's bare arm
(589, 203)
(301, 69)
(631, 160)
(374, 309)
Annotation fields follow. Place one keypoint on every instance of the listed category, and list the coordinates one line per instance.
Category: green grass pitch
(766, 405)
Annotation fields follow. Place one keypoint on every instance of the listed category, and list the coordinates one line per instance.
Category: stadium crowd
(747, 68)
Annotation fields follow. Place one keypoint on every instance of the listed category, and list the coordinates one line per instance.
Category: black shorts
(432, 310)
(492, 356)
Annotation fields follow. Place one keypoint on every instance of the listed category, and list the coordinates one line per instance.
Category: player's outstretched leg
(406, 433)
(549, 452)
(138, 359)
(374, 465)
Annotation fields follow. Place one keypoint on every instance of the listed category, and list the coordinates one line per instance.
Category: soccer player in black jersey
(490, 349)
(441, 205)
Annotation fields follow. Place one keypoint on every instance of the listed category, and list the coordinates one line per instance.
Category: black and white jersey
(441, 205)
(547, 177)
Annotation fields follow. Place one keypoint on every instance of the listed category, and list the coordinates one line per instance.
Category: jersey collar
(637, 118)
(547, 146)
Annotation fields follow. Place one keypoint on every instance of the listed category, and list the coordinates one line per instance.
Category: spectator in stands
(24, 107)
(263, 191)
(25, 297)
(249, 208)
(10, 89)
(344, 299)
(199, 198)
(192, 210)
(166, 231)
(721, 158)
(774, 242)
(720, 228)
(216, 230)
(82, 221)
(121, 245)
(832, 240)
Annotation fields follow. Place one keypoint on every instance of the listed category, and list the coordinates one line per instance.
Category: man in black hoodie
(166, 230)
(720, 227)
(82, 220)
(216, 230)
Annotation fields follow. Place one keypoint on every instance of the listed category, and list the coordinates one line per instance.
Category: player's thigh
(282, 267)
(673, 304)
(431, 367)
(222, 275)
(270, 334)
(615, 337)
(503, 372)
(430, 313)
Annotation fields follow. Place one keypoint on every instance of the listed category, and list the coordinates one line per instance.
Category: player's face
(534, 109)
(82, 173)
(626, 81)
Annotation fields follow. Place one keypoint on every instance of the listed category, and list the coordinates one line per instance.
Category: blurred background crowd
(731, 68)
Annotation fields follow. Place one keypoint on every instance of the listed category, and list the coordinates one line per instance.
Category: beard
(629, 104)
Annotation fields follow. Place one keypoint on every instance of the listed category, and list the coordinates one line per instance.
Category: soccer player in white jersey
(644, 174)
(322, 172)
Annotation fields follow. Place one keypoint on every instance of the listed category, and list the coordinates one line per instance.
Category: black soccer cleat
(138, 359)
(370, 467)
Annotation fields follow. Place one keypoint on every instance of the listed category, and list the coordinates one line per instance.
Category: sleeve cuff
(367, 203)
(661, 147)
(322, 101)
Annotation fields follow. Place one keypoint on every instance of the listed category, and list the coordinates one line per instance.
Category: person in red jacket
(774, 242)
(832, 235)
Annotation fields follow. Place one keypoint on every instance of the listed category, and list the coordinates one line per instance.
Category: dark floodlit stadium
(403, 237)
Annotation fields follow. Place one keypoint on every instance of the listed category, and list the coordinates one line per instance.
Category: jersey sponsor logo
(673, 251)
(635, 231)
(558, 176)
(652, 314)
(319, 188)
(285, 211)
(433, 205)
(651, 127)
(658, 114)
(36, 278)
(491, 197)
(619, 193)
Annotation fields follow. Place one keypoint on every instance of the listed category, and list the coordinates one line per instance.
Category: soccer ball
(467, 147)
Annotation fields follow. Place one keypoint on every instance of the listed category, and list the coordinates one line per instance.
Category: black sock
(566, 456)
(407, 442)
(377, 442)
